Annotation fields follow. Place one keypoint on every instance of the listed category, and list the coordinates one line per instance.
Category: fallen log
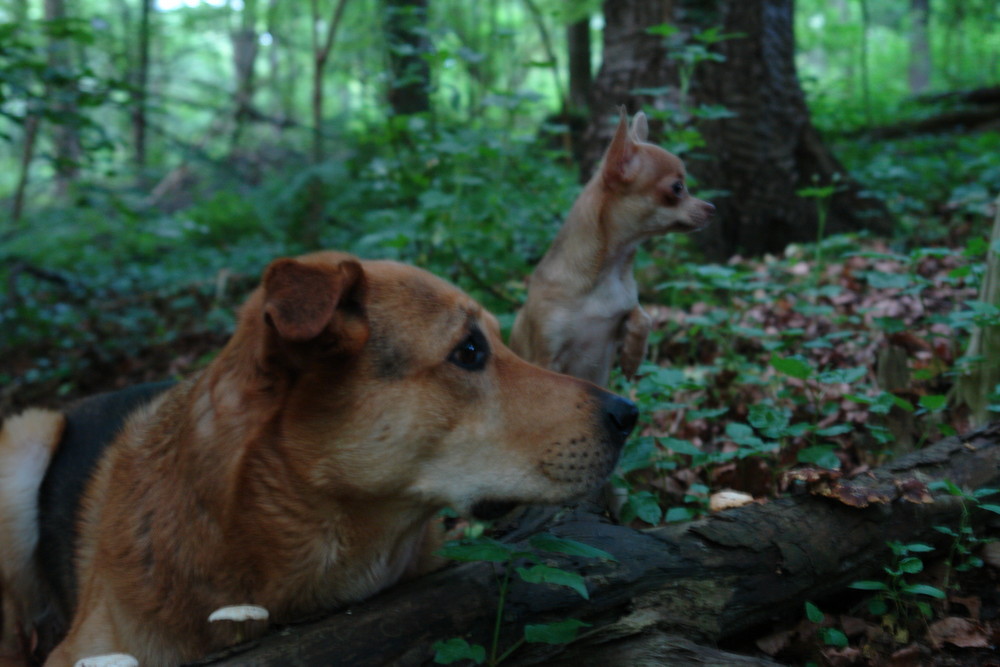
(707, 581)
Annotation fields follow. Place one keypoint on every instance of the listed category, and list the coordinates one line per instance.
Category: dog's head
(396, 385)
(648, 184)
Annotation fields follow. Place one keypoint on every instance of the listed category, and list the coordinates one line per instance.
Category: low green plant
(530, 566)
(897, 600)
(961, 553)
(828, 635)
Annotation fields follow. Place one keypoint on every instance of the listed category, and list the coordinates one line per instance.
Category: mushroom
(108, 660)
(240, 613)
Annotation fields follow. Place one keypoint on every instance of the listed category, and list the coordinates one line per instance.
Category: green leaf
(869, 586)
(769, 419)
(911, 565)
(637, 454)
(821, 455)
(924, 589)
(706, 413)
(544, 574)
(646, 506)
(483, 549)
(833, 637)
(561, 632)
(947, 485)
(796, 367)
(989, 507)
(813, 613)
(836, 429)
(681, 446)
(934, 402)
(562, 545)
(918, 548)
(456, 648)
(877, 606)
(679, 514)
(842, 375)
(982, 493)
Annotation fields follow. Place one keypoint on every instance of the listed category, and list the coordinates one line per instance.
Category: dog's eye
(678, 188)
(472, 353)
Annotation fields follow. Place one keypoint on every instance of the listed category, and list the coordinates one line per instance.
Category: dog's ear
(640, 127)
(620, 163)
(302, 301)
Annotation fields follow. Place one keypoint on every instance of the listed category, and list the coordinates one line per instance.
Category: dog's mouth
(488, 510)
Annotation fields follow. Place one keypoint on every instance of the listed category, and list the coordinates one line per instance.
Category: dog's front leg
(637, 326)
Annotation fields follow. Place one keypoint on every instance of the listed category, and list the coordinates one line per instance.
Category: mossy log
(673, 591)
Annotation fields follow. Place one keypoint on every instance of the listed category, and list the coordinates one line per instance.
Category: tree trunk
(321, 53)
(710, 581)
(762, 155)
(580, 76)
(769, 150)
(245, 48)
(920, 46)
(406, 34)
(632, 59)
(62, 95)
(141, 87)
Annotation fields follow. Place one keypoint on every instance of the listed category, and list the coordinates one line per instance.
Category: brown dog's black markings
(91, 424)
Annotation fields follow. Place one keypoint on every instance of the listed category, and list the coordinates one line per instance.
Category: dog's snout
(620, 415)
(709, 209)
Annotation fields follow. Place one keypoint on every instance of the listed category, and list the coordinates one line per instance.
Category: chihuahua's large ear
(640, 127)
(620, 161)
(301, 300)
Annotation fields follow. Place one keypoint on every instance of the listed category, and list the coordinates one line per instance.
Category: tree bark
(770, 149)
(579, 68)
(141, 86)
(406, 34)
(245, 49)
(632, 59)
(62, 95)
(321, 53)
(709, 581)
(919, 69)
(759, 158)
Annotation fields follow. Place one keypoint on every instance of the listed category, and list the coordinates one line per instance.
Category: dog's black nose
(619, 417)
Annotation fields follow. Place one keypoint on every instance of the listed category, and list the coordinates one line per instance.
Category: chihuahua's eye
(472, 353)
(678, 188)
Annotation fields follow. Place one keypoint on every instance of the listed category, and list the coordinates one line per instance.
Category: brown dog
(300, 471)
(583, 307)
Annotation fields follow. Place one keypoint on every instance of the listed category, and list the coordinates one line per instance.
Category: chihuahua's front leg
(636, 327)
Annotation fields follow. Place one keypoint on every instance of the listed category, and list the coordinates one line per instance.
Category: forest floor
(832, 363)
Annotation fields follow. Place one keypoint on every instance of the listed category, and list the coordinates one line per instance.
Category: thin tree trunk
(920, 48)
(321, 53)
(580, 75)
(866, 92)
(245, 49)
(405, 25)
(141, 87)
(62, 96)
(548, 47)
(27, 155)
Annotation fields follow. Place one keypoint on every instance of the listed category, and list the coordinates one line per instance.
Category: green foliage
(529, 567)
(828, 635)
(896, 599)
(961, 553)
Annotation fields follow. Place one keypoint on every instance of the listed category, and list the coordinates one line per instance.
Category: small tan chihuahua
(583, 305)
